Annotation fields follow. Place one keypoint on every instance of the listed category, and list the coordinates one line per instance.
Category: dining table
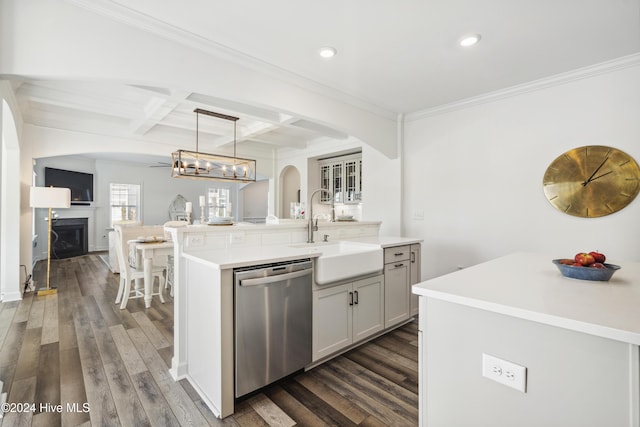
(145, 252)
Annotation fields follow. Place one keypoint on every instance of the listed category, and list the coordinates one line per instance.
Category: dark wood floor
(78, 348)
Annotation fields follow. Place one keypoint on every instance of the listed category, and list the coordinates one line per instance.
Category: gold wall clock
(592, 181)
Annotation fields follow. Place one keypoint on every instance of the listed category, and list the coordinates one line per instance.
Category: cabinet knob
(398, 265)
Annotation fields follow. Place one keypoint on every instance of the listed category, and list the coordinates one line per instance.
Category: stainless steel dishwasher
(272, 314)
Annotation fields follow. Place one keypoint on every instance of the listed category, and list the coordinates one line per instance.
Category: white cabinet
(401, 270)
(342, 176)
(346, 314)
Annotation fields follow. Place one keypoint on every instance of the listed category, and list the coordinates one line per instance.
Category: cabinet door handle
(398, 254)
(399, 265)
(413, 257)
(356, 294)
(350, 298)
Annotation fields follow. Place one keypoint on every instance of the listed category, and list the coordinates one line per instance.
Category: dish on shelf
(587, 273)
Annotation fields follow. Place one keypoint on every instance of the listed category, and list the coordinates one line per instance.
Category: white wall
(476, 172)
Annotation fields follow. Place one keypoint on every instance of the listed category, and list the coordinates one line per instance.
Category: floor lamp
(49, 197)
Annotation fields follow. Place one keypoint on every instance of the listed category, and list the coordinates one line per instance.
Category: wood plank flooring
(109, 367)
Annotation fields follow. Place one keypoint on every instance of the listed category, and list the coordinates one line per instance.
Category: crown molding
(135, 19)
(544, 83)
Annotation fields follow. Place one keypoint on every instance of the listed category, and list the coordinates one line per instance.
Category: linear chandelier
(199, 165)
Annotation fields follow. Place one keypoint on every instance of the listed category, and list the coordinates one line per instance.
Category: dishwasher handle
(276, 278)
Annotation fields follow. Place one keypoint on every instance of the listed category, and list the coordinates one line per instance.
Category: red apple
(584, 258)
(597, 265)
(566, 261)
(577, 264)
(598, 256)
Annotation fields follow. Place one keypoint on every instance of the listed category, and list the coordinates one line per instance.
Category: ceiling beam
(156, 110)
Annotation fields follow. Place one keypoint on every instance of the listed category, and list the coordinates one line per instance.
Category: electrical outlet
(236, 238)
(195, 240)
(418, 215)
(504, 372)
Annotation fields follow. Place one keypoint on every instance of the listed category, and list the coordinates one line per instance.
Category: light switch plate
(504, 372)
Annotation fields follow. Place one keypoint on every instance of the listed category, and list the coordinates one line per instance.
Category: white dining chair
(128, 274)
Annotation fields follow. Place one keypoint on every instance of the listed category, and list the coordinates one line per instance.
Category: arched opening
(290, 190)
(9, 208)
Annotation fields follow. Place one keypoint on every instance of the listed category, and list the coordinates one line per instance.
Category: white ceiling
(395, 56)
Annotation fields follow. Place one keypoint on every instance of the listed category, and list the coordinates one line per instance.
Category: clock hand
(600, 176)
(595, 172)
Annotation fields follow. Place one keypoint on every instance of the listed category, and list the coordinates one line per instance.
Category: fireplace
(69, 237)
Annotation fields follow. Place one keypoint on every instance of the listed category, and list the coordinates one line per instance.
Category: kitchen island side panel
(210, 334)
(573, 379)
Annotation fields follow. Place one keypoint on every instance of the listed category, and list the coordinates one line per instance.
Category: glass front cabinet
(342, 176)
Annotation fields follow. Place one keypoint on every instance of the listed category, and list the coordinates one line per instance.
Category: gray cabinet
(346, 314)
(415, 276)
(401, 270)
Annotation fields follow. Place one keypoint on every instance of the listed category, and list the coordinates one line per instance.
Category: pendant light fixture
(199, 165)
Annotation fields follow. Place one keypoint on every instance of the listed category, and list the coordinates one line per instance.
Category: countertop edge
(386, 241)
(207, 258)
(248, 262)
(543, 318)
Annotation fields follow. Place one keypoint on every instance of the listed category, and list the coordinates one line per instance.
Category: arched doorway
(9, 207)
(290, 185)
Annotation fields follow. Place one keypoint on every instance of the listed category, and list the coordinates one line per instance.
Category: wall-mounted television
(80, 183)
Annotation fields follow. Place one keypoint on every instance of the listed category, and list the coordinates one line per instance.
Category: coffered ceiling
(392, 57)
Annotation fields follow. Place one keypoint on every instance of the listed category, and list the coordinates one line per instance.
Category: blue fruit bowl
(587, 273)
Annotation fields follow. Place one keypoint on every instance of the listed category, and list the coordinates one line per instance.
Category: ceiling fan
(161, 165)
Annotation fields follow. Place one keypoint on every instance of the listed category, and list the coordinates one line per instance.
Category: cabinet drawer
(397, 253)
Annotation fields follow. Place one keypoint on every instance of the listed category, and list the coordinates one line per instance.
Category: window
(124, 202)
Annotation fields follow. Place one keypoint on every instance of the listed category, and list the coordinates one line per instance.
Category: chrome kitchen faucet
(311, 227)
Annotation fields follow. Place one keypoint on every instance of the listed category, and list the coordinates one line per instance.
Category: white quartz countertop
(248, 256)
(529, 286)
(387, 241)
(254, 255)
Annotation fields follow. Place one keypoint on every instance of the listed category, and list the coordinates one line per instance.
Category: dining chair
(129, 273)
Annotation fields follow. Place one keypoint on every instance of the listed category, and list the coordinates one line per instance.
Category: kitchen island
(204, 292)
(578, 341)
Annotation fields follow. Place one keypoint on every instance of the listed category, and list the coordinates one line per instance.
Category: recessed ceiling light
(469, 40)
(327, 52)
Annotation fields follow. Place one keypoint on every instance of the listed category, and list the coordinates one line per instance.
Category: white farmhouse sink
(343, 260)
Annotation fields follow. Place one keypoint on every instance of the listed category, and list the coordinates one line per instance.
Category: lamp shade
(50, 197)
